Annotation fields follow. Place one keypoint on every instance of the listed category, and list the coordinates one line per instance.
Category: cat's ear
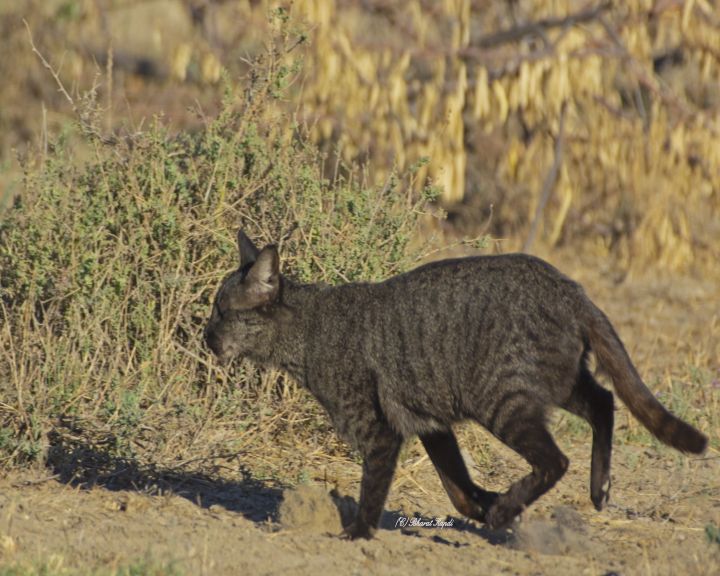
(248, 250)
(263, 279)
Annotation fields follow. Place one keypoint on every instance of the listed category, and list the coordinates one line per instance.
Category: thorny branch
(53, 72)
(86, 124)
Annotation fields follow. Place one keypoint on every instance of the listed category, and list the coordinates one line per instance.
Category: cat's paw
(357, 530)
(484, 499)
(477, 505)
(601, 496)
(501, 516)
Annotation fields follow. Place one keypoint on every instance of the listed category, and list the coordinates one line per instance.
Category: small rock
(310, 508)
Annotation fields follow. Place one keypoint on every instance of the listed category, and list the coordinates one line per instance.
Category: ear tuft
(248, 250)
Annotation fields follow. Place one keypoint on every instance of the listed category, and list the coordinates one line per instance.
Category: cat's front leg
(380, 448)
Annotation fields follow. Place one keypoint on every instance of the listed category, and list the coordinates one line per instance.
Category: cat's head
(242, 320)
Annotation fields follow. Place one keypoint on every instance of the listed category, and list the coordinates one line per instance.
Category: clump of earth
(310, 508)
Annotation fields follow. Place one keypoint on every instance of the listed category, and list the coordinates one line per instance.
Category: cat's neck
(298, 302)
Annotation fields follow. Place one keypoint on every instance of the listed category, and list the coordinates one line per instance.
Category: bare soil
(656, 523)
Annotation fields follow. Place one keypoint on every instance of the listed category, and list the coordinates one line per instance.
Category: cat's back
(497, 276)
(454, 303)
(450, 300)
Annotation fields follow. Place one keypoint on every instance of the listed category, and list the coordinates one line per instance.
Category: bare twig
(550, 180)
(44, 131)
(192, 355)
(486, 226)
(27, 483)
(109, 75)
(221, 456)
(53, 72)
(539, 27)
(83, 115)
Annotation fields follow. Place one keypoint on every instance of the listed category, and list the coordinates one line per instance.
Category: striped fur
(495, 339)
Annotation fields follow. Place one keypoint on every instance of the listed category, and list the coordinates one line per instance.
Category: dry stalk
(84, 116)
(550, 180)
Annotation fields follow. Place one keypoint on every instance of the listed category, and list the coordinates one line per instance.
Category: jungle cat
(495, 339)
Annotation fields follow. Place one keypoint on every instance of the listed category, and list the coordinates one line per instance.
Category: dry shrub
(109, 266)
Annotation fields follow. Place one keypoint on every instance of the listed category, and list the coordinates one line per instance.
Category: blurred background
(552, 123)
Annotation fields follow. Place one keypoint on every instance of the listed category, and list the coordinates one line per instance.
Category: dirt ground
(661, 502)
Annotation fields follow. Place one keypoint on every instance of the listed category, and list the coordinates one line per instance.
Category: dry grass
(109, 265)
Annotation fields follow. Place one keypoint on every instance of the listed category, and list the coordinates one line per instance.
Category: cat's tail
(613, 358)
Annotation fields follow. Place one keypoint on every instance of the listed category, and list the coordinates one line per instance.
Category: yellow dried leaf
(482, 94)
(687, 13)
(501, 99)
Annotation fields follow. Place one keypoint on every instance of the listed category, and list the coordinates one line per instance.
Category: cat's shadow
(82, 466)
(86, 467)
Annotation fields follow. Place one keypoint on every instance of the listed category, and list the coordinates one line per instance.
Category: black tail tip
(681, 435)
(692, 441)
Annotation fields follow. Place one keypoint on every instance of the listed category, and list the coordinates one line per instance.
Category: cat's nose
(214, 343)
(211, 341)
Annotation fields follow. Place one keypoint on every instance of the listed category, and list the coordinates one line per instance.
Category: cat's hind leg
(594, 403)
(469, 499)
(524, 430)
